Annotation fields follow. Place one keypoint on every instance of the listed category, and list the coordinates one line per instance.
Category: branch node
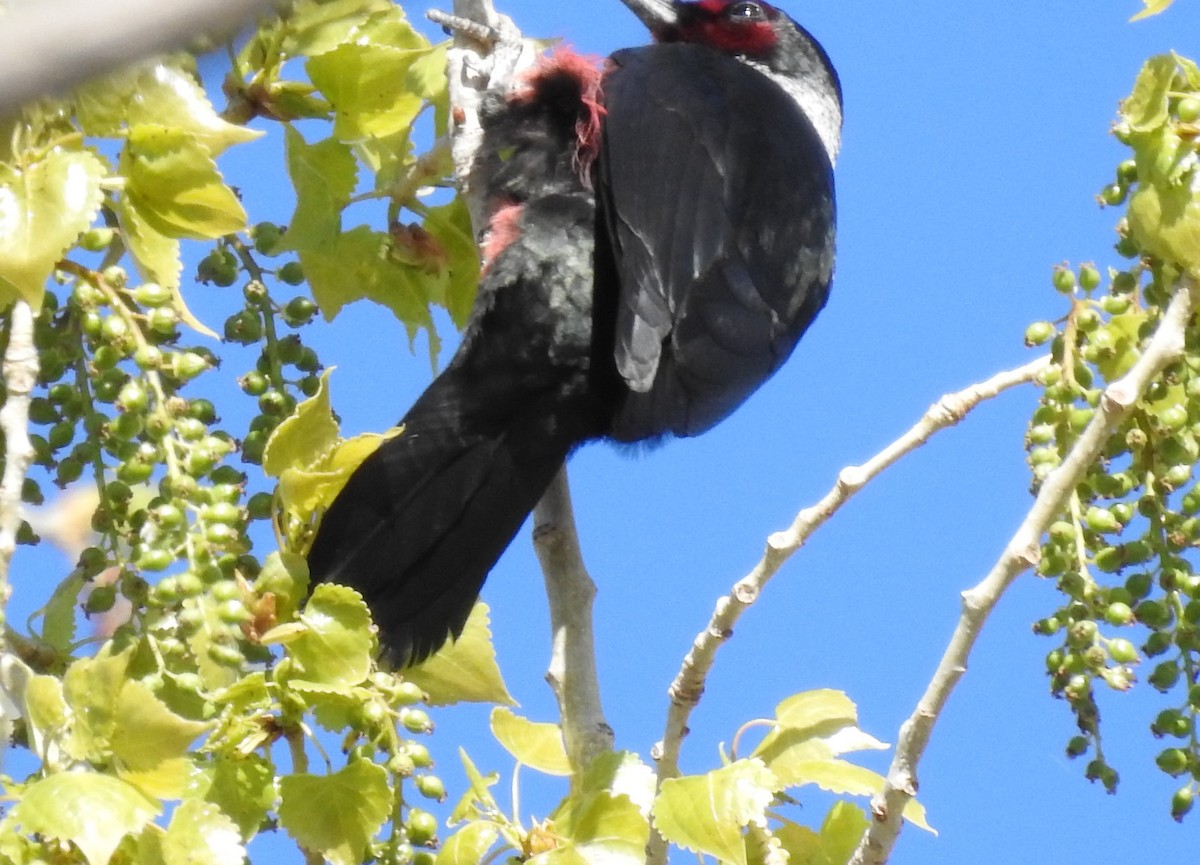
(745, 593)
(851, 478)
(486, 35)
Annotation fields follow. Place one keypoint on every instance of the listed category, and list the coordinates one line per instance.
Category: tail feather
(422, 521)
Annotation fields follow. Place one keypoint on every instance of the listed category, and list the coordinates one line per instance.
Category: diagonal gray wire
(49, 46)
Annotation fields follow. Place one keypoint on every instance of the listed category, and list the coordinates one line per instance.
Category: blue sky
(974, 143)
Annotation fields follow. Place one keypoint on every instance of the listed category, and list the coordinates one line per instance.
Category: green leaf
(285, 575)
(464, 671)
(840, 833)
(477, 795)
(43, 207)
(317, 26)
(147, 732)
(1149, 105)
(336, 815)
(706, 813)
(469, 845)
(155, 254)
(95, 812)
(622, 773)
(539, 746)
(811, 726)
(450, 226)
(156, 93)
(242, 787)
(802, 845)
(595, 828)
(357, 265)
(841, 777)
(335, 648)
(606, 816)
(199, 834)
(47, 715)
(167, 779)
(813, 708)
(1153, 7)
(91, 686)
(305, 491)
(368, 87)
(175, 184)
(58, 616)
(1165, 221)
(324, 175)
(210, 631)
(305, 438)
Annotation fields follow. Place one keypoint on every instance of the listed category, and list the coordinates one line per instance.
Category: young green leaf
(539, 746)
(706, 813)
(93, 811)
(199, 834)
(336, 815)
(175, 185)
(147, 732)
(464, 671)
(43, 207)
(469, 845)
(335, 648)
(242, 787)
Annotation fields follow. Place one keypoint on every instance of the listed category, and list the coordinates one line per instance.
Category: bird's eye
(745, 12)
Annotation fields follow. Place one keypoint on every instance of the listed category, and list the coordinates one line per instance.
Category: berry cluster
(1121, 554)
(259, 321)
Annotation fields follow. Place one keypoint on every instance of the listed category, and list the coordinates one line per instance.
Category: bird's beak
(658, 15)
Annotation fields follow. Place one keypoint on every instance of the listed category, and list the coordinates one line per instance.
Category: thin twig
(1021, 553)
(688, 687)
(20, 375)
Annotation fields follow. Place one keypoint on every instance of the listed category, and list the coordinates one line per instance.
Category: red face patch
(731, 26)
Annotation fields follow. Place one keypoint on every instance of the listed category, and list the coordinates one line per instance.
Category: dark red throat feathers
(730, 26)
(574, 78)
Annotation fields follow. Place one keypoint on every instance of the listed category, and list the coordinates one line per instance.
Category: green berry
(1181, 802)
(151, 294)
(267, 236)
(1118, 614)
(96, 239)
(1101, 520)
(298, 311)
(431, 787)
(1122, 651)
(1173, 761)
(100, 600)
(420, 826)
(416, 720)
(1039, 333)
(1113, 194)
(1188, 109)
(1063, 279)
(292, 273)
(1089, 277)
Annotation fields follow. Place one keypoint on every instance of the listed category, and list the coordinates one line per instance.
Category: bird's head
(764, 37)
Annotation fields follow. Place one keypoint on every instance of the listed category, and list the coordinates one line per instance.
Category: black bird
(662, 234)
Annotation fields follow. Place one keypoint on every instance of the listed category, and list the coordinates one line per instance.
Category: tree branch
(685, 692)
(1021, 553)
(100, 37)
(489, 52)
(20, 375)
(572, 674)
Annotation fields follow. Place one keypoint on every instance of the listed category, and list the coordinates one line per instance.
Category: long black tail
(422, 521)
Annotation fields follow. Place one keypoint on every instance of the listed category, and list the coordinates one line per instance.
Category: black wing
(712, 302)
